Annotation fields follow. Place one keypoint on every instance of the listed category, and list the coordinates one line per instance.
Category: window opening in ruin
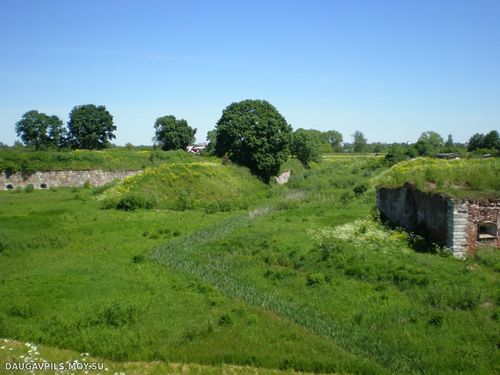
(10, 186)
(487, 231)
(43, 186)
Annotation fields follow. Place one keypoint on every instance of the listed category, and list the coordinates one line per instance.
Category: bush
(315, 279)
(132, 202)
(29, 188)
(360, 188)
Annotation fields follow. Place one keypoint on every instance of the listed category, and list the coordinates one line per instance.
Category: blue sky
(392, 69)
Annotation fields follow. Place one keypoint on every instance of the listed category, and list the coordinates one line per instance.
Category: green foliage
(252, 287)
(186, 186)
(254, 134)
(315, 279)
(306, 146)
(90, 127)
(26, 161)
(173, 134)
(461, 178)
(490, 141)
(40, 130)
(359, 142)
(334, 139)
(29, 188)
(429, 143)
(131, 202)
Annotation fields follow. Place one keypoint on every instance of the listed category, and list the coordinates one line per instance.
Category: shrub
(315, 279)
(225, 320)
(185, 202)
(86, 184)
(132, 202)
(114, 315)
(21, 311)
(138, 259)
(360, 188)
(29, 188)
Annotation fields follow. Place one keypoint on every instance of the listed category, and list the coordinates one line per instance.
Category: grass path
(182, 255)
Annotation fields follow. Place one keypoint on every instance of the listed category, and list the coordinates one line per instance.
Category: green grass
(208, 185)
(80, 278)
(15, 352)
(303, 279)
(464, 178)
(29, 161)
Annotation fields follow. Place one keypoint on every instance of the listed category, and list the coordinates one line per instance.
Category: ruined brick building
(463, 225)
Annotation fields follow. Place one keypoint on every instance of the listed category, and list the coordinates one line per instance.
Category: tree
(173, 134)
(359, 141)
(90, 127)
(253, 133)
(491, 140)
(40, 130)
(211, 139)
(475, 142)
(334, 138)
(429, 143)
(306, 145)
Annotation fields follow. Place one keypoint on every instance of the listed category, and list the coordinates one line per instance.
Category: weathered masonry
(464, 225)
(48, 179)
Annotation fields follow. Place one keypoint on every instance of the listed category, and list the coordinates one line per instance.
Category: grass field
(304, 279)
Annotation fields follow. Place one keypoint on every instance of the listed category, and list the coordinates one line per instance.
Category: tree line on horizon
(250, 132)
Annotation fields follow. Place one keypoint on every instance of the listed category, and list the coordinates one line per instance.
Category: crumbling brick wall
(482, 212)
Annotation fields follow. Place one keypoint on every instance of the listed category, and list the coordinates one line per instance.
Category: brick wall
(50, 179)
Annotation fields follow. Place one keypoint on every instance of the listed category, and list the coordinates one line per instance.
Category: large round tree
(173, 134)
(40, 130)
(90, 127)
(253, 133)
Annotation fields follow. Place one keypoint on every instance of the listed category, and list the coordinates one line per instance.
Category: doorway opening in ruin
(9, 187)
(43, 186)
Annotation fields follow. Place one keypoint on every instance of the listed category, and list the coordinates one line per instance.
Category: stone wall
(415, 211)
(457, 220)
(48, 179)
(449, 222)
(283, 177)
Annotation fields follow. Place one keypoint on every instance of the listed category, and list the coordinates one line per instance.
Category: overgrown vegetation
(478, 178)
(28, 161)
(185, 186)
(306, 278)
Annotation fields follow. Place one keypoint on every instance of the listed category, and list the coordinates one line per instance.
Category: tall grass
(461, 178)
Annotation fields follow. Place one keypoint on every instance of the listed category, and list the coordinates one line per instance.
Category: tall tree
(429, 143)
(491, 140)
(90, 127)
(212, 140)
(173, 134)
(253, 133)
(306, 146)
(40, 130)
(475, 142)
(334, 138)
(359, 141)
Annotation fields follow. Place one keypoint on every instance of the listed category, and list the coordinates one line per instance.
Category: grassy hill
(22, 160)
(474, 178)
(208, 185)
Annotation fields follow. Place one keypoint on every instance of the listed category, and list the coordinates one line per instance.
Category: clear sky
(392, 69)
